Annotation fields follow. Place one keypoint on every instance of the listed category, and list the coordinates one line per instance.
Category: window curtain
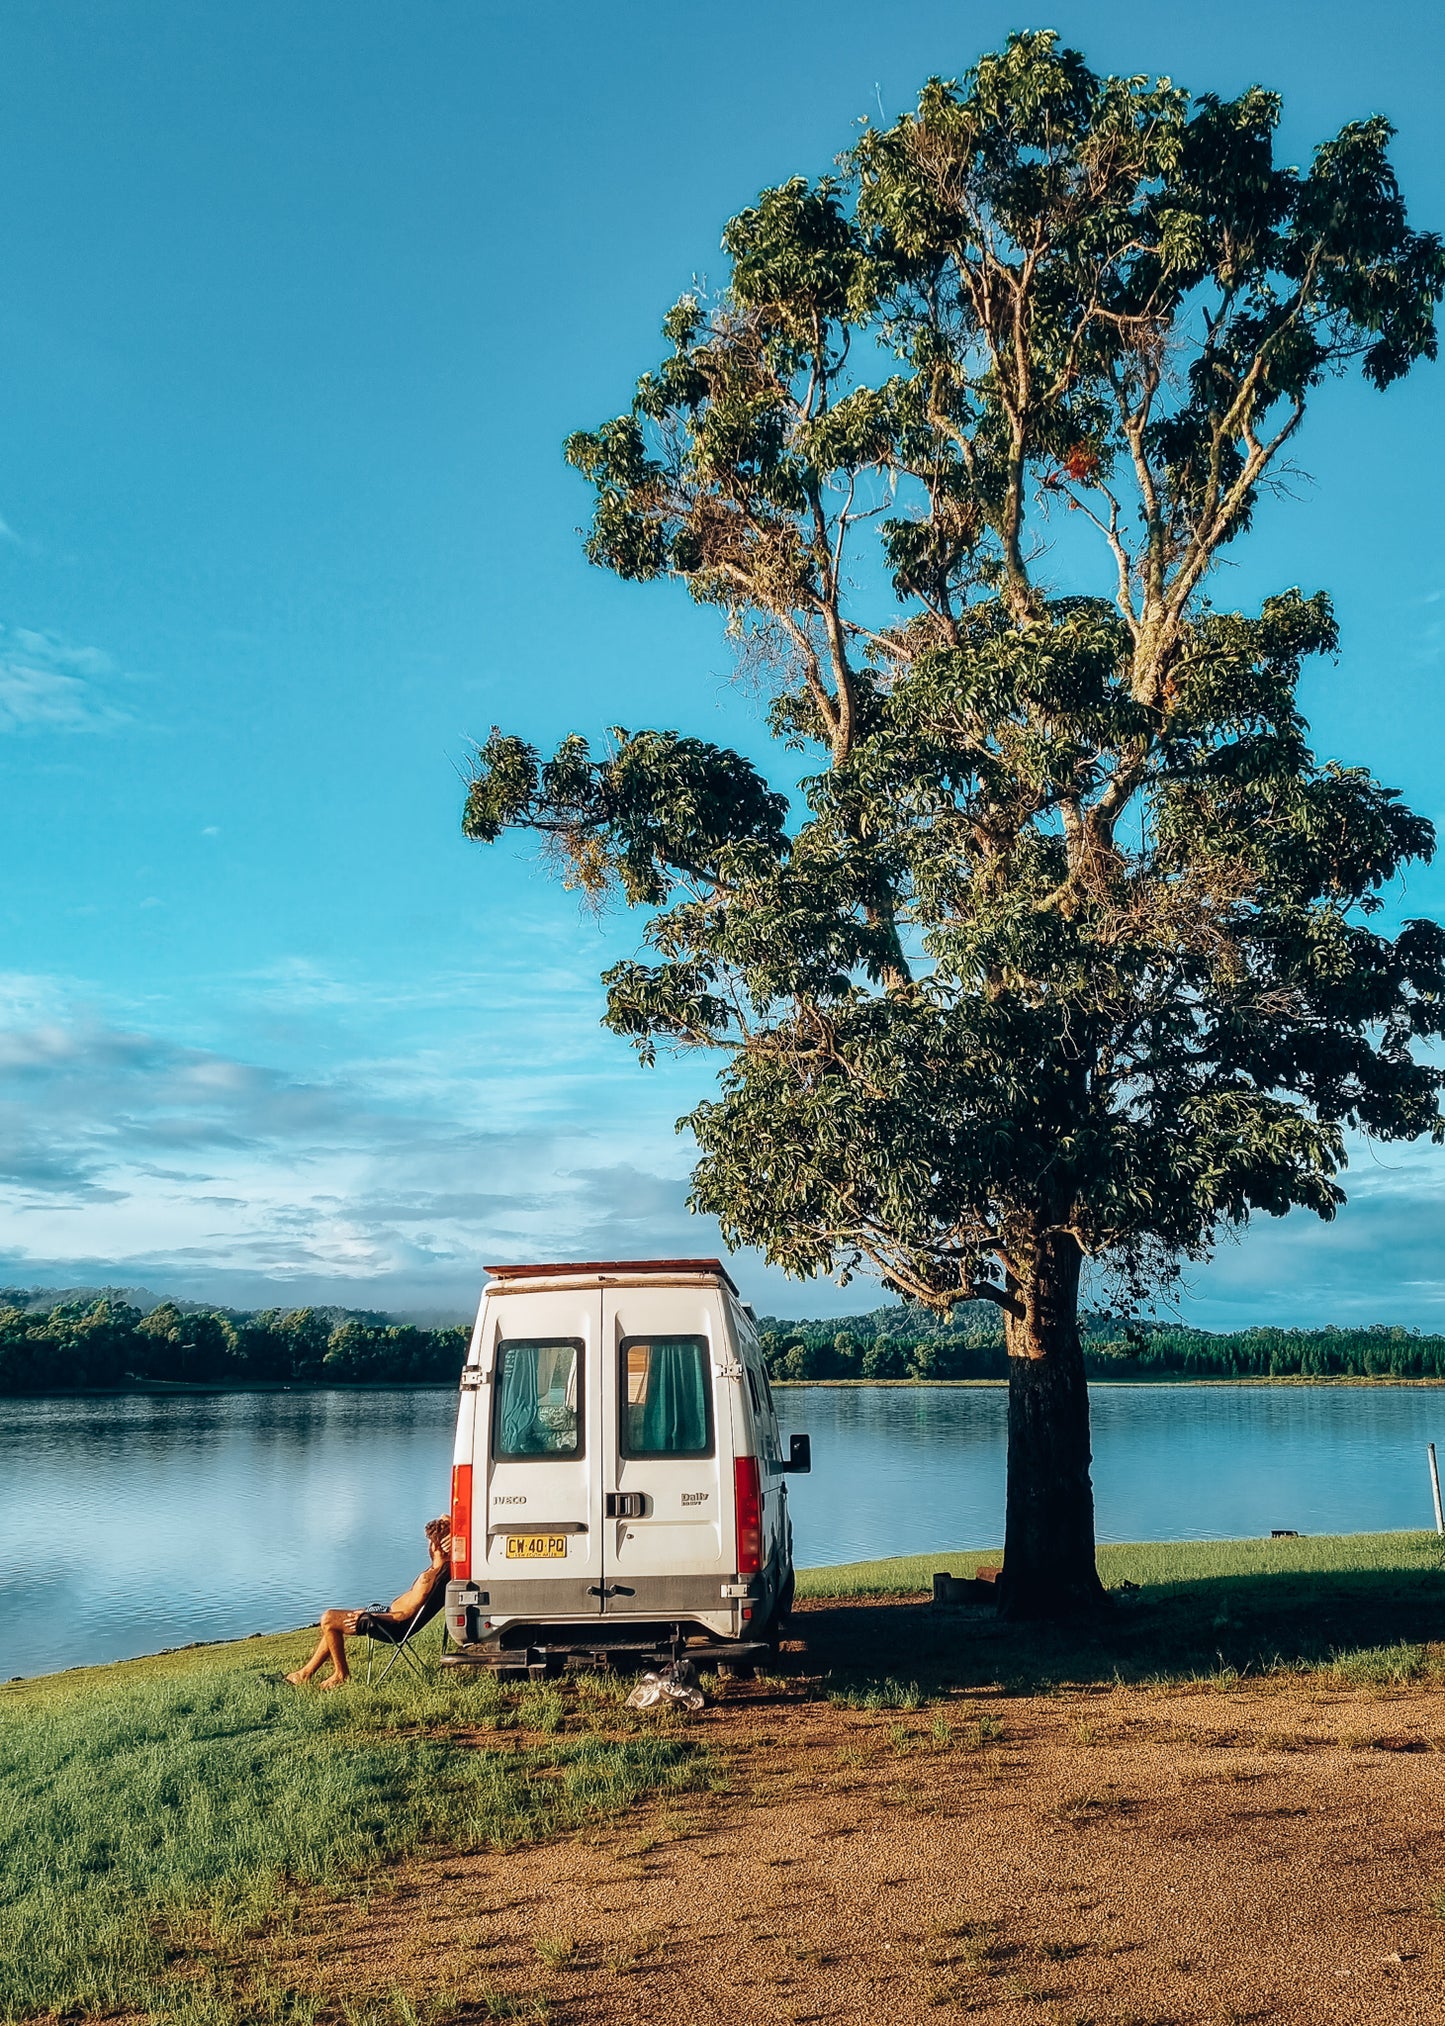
(674, 1413)
(520, 1434)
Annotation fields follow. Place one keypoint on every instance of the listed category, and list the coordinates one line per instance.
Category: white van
(618, 1470)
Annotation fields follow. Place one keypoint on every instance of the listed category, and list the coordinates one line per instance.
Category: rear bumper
(488, 1613)
(623, 1653)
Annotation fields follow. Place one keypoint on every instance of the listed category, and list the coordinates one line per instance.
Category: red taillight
(461, 1521)
(748, 1511)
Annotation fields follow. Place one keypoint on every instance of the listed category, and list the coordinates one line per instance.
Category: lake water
(134, 1523)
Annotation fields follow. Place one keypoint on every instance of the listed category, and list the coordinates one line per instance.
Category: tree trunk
(1048, 1561)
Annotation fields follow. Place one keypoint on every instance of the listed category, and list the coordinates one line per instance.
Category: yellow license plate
(536, 1547)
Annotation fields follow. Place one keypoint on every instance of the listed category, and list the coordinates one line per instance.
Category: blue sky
(298, 306)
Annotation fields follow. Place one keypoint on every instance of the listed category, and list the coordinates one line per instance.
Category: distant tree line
(103, 1340)
(909, 1342)
(106, 1341)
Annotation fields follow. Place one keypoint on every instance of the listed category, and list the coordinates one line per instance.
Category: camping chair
(379, 1633)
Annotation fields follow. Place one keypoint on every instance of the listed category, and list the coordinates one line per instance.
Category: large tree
(1067, 949)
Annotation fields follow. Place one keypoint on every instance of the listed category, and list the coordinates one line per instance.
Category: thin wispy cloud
(49, 685)
(189, 1165)
(130, 1156)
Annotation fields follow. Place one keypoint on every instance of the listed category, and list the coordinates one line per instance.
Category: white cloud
(1380, 1260)
(48, 685)
(126, 1155)
(390, 1179)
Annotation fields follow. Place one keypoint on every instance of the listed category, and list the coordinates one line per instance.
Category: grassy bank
(1359, 1609)
(157, 1816)
(154, 1814)
(1159, 1565)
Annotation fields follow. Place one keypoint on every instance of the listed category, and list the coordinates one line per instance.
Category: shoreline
(1142, 1379)
(1167, 1563)
(182, 1388)
(166, 1388)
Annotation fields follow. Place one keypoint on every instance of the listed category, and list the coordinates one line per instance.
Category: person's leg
(304, 1674)
(334, 1640)
(331, 1646)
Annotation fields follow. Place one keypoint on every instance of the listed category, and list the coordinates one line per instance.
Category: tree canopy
(1070, 947)
(101, 1340)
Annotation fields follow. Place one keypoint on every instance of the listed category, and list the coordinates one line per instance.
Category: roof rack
(637, 1268)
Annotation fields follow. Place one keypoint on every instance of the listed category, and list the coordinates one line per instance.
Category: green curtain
(673, 1420)
(517, 1402)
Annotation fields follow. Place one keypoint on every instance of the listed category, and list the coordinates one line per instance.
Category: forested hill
(89, 1340)
(103, 1340)
(909, 1342)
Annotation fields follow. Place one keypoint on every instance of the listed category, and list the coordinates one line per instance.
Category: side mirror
(800, 1454)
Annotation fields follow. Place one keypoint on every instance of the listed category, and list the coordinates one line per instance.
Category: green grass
(1368, 1610)
(1152, 1564)
(156, 1814)
(153, 1809)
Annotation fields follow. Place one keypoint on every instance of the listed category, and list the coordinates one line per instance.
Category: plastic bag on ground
(675, 1683)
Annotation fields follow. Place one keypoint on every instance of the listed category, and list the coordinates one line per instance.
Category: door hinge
(730, 1369)
(473, 1380)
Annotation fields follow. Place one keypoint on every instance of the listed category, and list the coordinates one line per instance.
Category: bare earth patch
(1273, 1852)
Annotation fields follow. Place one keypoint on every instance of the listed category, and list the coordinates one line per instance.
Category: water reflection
(922, 1467)
(135, 1523)
(131, 1524)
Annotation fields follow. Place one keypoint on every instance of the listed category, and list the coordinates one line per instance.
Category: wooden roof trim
(636, 1269)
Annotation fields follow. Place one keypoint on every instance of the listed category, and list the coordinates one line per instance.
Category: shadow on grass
(1361, 1626)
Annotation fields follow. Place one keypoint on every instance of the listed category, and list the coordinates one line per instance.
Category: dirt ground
(1082, 1858)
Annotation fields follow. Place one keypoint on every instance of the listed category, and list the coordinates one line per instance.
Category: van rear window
(537, 1398)
(666, 1397)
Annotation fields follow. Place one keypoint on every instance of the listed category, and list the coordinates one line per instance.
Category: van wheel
(782, 1611)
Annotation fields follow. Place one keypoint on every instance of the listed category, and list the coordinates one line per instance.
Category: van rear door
(542, 1442)
(667, 1399)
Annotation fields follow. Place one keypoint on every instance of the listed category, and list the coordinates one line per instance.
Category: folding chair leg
(401, 1650)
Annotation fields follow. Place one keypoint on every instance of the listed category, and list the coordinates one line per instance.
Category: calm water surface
(131, 1524)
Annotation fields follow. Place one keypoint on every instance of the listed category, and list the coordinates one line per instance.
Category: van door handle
(610, 1590)
(626, 1504)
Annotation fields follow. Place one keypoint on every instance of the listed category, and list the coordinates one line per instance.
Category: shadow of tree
(1363, 1625)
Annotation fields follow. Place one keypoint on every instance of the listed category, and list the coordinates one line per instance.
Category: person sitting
(425, 1597)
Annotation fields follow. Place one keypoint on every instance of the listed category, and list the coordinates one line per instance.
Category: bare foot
(336, 1681)
(299, 1677)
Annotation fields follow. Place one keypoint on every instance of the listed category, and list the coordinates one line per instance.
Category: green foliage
(657, 806)
(913, 1342)
(1072, 947)
(1173, 1351)
(102, 1342)
(172, 1344)
(94, 1342)
(907, 1342)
